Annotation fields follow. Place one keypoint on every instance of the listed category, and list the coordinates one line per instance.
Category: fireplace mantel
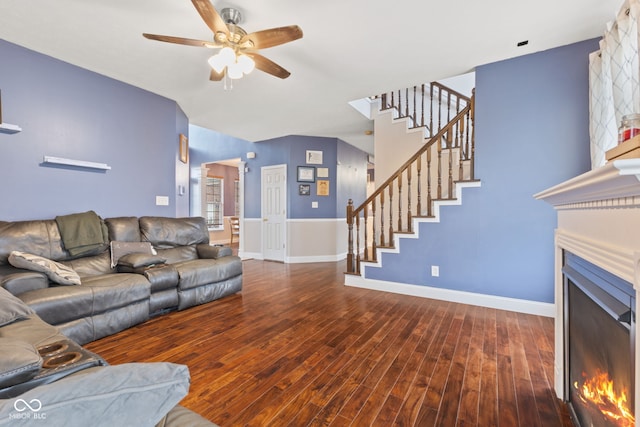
(598, 220)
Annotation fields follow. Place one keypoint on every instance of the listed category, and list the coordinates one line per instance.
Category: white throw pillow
(56, 272)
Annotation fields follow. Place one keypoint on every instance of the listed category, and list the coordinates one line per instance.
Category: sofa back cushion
(166, 233)
(123, 229)
(39, 237)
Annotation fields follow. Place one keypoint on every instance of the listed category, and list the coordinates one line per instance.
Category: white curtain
(614, 81)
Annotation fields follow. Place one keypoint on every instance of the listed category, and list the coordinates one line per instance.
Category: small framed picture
(306, 174)
(314, 157)
(184, 148)
(322, 172)
(304, 189)
(322, 187)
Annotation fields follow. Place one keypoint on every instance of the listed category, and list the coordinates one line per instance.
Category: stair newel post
(472, 112)
(350, 268)
(382, 241)
(419, 190)
(366, 236)
(415, 112)
(409, 198)
(390, 214)
(461, 154)
(400, 201)
(439, 169)
(358, 243)
(450, 166)
(429, 196)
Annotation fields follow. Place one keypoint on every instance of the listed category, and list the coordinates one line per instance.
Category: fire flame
(599, 391)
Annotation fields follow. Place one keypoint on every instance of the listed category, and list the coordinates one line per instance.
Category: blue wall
(66, 111)
(211, 146)
(532, 132)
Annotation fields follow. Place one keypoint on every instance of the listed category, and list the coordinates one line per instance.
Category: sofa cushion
(40, 237)
(120, 249)
(125, 229)
(208, 251)
(165, 232)
(132, 394)
(201, 272)
(12, 308)
(137, 260)
(56, 272)
(91, 265)
(97, 294)
(19, 361)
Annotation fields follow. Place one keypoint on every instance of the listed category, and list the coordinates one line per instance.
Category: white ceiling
(350, 50)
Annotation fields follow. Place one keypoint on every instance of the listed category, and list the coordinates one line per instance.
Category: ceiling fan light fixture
(246, 63)
(222, 59)
(234, 71)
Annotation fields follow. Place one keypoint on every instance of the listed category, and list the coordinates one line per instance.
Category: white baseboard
(250, 255)
(482, 300)
(319, 258)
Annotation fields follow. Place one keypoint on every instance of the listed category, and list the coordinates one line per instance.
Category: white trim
(319, 258)
(250, 255)
(317, 220)
(482, 300)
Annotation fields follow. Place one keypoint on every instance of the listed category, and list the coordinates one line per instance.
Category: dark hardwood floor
(298, 348)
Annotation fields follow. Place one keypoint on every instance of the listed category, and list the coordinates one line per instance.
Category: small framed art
(304, 189)
(306, 174)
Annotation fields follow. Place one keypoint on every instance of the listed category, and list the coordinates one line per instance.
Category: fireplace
(597, 237)
(599, 324)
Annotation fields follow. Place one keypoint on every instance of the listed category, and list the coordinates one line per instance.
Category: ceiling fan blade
(216, 76)
(268, 66)
(182, 40)
(212, 18)
(271, 37)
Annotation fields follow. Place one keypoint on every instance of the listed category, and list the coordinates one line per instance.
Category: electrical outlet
(435, 271)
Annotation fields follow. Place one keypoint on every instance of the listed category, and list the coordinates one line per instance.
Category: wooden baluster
(391, 214)
(350, 266)
(409, 221)
(406, 102)
(358, 243)
(399, 107)
(366, 237)
(383, 101)
(400, 202)
(393, 102)
(431, 111)
(419, 168)
(382, 241)
(439, 109)
(448, 106)
(422, 110)
(374, 255)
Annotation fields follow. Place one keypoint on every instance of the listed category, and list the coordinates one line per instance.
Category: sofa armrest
(23, 281)
(213, 252)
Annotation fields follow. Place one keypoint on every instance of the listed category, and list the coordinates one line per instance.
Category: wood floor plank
(299, 348)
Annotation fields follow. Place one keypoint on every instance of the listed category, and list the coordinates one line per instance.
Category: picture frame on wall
(184, 148)
(304, 189)
(306, 174)
(314, 157)
(322, 188)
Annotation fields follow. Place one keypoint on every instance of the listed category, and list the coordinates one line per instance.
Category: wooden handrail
(451, 147)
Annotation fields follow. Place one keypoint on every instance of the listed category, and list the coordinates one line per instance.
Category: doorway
(274, 213)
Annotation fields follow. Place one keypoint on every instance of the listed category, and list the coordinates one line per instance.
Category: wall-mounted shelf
(6, 127)
(77, 163)
(9, 129)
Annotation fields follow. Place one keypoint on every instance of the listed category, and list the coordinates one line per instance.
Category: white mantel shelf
(615, 180)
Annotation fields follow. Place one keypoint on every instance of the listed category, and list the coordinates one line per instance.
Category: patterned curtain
(614, 81)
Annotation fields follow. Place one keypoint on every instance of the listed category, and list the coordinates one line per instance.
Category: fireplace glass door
(599, 346)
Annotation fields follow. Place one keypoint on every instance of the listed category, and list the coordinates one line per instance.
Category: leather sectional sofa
(146, 267)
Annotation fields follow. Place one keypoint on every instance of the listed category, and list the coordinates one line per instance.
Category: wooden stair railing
(429, 174)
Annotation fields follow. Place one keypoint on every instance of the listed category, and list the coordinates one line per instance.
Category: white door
(274, 214)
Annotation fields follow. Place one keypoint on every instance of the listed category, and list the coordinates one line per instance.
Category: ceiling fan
(238, 50)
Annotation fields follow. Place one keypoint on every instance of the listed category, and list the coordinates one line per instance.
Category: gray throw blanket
(83, 233)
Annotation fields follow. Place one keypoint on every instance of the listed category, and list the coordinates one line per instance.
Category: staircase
(432, 177)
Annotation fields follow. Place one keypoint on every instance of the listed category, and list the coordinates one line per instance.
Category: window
(213, 205)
